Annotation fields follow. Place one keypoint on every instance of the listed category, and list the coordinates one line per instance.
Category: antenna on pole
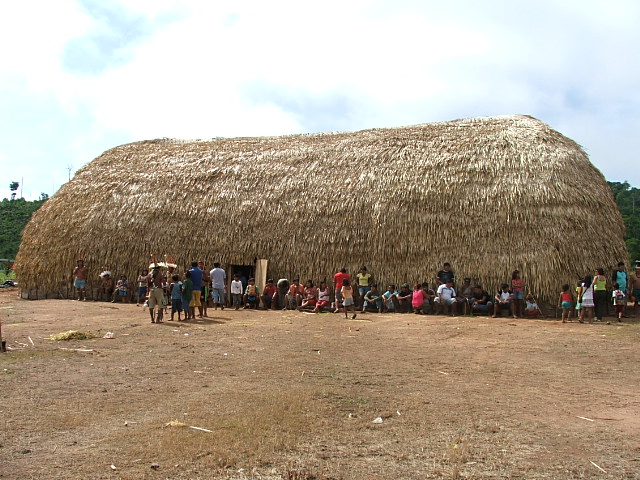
(69, 168)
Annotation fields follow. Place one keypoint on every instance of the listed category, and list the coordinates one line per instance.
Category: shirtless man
(156, 294)
(80, 274)
(635, 289)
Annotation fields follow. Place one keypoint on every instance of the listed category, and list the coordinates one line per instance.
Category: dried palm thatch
(489, 195)
(72, 335)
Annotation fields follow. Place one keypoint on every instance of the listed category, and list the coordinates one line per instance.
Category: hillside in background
(15, 213)
(628, 201)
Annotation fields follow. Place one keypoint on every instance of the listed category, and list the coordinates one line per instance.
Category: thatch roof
(489, 195)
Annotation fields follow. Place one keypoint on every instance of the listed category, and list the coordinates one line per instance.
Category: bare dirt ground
(289, 395)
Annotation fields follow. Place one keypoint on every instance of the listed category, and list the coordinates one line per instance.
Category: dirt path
(293, 395)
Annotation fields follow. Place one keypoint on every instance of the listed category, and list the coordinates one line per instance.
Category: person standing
(600, 297)
(204, 291)
(364, 280)
(635, 286)
(156, 294)
(620, 277)
(446, 275)
(218, 280)
(80, 275)
(338, 281)
(196, 278)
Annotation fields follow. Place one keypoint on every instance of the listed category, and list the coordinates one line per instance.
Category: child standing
(143, 280)
(517, 286)
(619, 301)
(187, 293)
(579, 292)
(236, 291)
(347, 296)
(176, 296)
(587, 298)
(565, 302)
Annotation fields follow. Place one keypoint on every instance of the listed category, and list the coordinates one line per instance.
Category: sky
(78, 77)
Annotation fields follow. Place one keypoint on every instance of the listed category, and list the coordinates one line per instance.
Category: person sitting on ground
(429, 298)
(122, 289)
(372, 300)
(310, 296)
(236, 292)
(480, 301)
(446, 274)
(390, 299)
(464, 294)
(417, 299)
(405, 296)
(295, 295)
(446, 299)
(279, 299)
(251, 295)
(324, 297)
(267, 294)
(532, 309)
(503, 301)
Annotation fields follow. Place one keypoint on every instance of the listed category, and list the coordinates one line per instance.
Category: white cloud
(199, 69)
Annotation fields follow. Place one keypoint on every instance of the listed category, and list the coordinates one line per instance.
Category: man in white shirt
(446, 299)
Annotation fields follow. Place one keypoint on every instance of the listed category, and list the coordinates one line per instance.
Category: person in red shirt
(267, 294)
(338, 280)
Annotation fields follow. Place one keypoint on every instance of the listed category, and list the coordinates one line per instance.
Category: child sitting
(251, 295)
(122, 287)
(532, 309)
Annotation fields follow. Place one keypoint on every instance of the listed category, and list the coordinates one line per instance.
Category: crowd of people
(161, 287)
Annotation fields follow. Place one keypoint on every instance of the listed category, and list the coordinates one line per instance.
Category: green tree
(628, 200)
(13, 186)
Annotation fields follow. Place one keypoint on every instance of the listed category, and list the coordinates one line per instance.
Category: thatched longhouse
(488, 195)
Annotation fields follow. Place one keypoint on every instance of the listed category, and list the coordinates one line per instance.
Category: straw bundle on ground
(489, 195)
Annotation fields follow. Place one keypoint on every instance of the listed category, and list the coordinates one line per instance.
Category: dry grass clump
(72, 335)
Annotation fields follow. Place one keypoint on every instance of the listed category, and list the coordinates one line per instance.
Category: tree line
(16, 212)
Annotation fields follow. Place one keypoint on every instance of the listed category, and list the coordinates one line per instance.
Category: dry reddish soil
(290, 395)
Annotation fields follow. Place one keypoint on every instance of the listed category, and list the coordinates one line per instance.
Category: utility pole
(69, 168)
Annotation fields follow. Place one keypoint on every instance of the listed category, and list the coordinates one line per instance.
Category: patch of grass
(260, 431)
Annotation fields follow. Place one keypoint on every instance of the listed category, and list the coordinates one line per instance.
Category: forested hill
(628, 201)
(15, 213)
